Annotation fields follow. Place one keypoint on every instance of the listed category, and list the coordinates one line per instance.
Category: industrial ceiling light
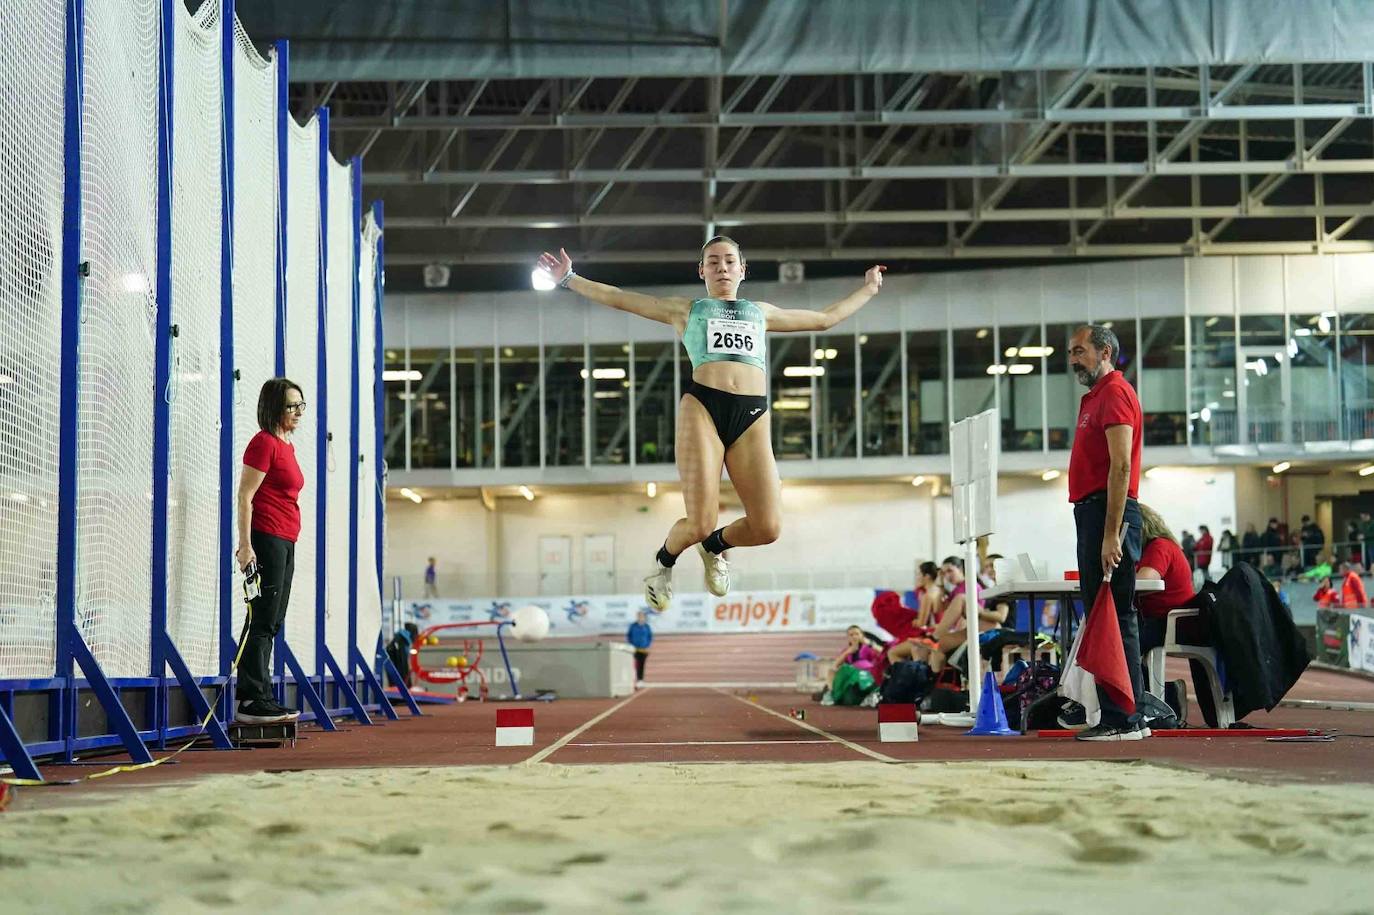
(1281, 466)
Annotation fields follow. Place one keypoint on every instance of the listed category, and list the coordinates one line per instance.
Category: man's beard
(1087, 378)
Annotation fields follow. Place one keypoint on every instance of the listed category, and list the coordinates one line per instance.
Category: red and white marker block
(897, 722)
(515, 727)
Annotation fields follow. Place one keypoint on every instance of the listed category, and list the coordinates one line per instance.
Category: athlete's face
(855, 636)
(722, 268)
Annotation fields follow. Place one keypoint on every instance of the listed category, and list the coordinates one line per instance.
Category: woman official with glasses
(269, 525)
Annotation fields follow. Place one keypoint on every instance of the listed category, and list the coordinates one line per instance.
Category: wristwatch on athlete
(563, 283)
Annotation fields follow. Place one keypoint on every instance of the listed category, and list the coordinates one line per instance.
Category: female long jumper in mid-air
(723, 418)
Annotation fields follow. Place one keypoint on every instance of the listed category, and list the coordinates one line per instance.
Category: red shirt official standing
(269, 524)
(1104, 481)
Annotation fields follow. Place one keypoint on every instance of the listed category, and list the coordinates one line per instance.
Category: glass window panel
(791, 395)
(926, 368)
(655, 364)
(1357, 374)
(1312, 350)
(430, 410)
(563, 404)
(835, 388)
(881, 392)
(975, 353)
(519, 406)
(1163, 361)
(1263, 352)
(610, 403)
(1214, 372)
(475, 377)
(1019, 375)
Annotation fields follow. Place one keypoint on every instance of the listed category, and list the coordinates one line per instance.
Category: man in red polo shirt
(1104, 480)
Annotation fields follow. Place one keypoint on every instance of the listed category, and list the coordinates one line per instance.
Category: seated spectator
(1326, 595)
(1161, 559)
(918, 630)
(1290, 566)
(1353, 595)
(951, 632)
(857, 667)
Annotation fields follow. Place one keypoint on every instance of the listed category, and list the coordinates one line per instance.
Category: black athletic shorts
(732, 414)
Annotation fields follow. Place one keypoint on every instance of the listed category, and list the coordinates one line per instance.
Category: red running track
(706, 725)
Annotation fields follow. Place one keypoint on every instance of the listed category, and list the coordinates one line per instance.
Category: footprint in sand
(515, 905)
(1108, 854)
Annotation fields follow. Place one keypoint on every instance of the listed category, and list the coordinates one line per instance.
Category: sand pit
(677, 838)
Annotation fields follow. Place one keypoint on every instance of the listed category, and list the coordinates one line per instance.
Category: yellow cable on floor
(134, 767)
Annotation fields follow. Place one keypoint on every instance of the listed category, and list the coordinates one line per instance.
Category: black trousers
(277, 564)
(641, 658)
(1090, 518)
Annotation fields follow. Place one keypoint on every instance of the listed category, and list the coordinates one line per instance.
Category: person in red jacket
(269, 525)
(1326, 595)
(1202, 552)
(1353, 596)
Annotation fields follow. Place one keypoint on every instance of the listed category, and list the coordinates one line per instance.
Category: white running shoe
(658, 587)
(717, 571)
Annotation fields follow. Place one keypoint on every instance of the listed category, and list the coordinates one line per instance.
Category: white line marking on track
(857, 748)
(567, 738)
(701, 743)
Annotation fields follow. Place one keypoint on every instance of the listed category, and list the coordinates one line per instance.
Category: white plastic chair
(1204, 654)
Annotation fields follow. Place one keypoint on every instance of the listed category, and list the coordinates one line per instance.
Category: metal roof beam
(932, 252)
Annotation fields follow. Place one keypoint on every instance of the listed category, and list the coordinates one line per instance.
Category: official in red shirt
(1104, 481)
(269, 524)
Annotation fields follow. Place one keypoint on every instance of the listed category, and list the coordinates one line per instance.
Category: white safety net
(194, 556)
(32, 37)
(340, 448)
(255, 254)
(302, 367)
(369, 486)
(119, 312)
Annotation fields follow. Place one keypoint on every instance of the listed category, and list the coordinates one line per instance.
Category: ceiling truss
(848, 167)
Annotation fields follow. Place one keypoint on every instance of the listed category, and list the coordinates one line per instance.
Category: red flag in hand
(1101, 653)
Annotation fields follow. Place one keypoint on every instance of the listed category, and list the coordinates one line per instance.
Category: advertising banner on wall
(1345, 640)
(745, 611)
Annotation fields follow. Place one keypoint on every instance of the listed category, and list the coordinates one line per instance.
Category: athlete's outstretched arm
(781, 320)
(668, 309)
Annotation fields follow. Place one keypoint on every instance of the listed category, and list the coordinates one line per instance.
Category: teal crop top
(723, 331)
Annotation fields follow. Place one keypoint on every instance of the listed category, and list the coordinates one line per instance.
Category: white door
(555, 565)
(598, 564)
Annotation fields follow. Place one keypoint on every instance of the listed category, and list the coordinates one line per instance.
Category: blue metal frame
(63, 691)
(325, 662)
(354, 389)
(384, 663)
(283, 165)
(322, 399)
(357, 664)
(228, 355)
(164, 651)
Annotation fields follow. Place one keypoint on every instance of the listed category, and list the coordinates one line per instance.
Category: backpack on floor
(907, 681)
(947, 693)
